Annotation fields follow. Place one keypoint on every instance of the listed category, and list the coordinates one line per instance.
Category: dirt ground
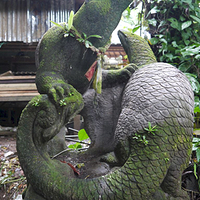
(13, 181)
(12, 178)
(8, 141)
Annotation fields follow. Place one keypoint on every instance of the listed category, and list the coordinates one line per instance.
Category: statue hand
(58, 91)
(115, 77)
(128, 70)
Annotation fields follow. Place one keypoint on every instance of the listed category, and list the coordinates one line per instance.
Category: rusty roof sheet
(27, 20)
(115, 51)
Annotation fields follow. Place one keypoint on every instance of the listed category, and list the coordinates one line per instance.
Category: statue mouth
(124, 41)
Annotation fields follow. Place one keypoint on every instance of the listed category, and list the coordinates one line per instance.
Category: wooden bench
(17, 88)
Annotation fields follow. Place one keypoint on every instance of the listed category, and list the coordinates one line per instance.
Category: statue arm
(115, 77)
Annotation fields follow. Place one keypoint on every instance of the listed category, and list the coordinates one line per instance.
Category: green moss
(137, 48)
(41, 63)
(60, 81)
(103, 6)
(35, 101)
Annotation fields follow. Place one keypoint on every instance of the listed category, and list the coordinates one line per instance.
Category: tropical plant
(82, 135)
(67, 26)
(174, 27)
(84, 39)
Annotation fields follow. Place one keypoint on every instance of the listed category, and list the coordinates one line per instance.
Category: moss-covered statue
(140, 125)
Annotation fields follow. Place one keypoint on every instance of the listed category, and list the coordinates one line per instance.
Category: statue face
(66, 58)
(124, 41)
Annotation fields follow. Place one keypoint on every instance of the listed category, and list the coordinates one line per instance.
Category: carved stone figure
(140, 126)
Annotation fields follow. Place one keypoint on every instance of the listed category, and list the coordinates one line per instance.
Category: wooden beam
(16, 98)
(18, 92)
(19, 95)
(16, 77)
(19, 86)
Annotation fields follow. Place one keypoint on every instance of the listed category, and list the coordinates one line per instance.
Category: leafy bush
(175, 28)
(175, 37)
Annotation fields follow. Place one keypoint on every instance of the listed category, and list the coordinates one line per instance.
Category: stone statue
(140, 125)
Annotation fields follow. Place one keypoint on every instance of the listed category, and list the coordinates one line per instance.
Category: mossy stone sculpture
(126, 160)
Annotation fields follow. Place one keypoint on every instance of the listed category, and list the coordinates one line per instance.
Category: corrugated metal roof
(27, 20)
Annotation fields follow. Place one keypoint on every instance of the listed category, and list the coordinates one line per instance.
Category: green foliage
(1, 44)
(196, 149)
(141, 138)
(69, 30)
(36, 102)
(75, 146)
(84, 39)
(175, 36)
(175, 33)
(82, 135)
(70, 21)
(135, 29)
(62, 102)
(150, 129)
(166, 160)
(68, 26)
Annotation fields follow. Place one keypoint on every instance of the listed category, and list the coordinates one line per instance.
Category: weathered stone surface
(100, 17)
(125, 161)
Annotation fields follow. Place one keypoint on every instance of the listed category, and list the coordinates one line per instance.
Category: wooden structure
(15, 92)
(19, 85)
(22, 24)
(17, 88)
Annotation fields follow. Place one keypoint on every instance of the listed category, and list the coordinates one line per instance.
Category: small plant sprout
(68, 26)
(36, 102)
(151, 129)
(144, 140)
(84, 39)
(166, 160)
(69, 30)
(62, 102)
(141, 139)
(70, 21)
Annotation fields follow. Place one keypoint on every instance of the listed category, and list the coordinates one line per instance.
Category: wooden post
(77, 123)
